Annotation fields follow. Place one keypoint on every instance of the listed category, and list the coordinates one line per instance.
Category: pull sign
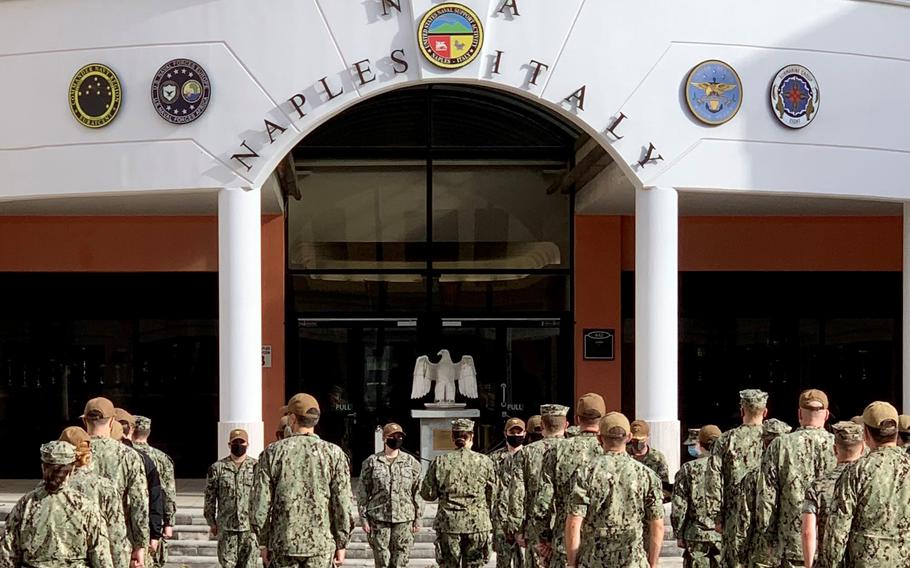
(451, 323)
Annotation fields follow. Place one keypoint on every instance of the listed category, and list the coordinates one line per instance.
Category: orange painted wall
(152, 244)
(781, 243)
(598, 249)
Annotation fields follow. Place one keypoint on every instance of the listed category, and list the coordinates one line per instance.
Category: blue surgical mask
(693, 451)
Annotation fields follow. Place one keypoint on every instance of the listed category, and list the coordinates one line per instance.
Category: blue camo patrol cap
(775, 427)
(753, 398)
(553, 410)
(58, 453)
(462, 425)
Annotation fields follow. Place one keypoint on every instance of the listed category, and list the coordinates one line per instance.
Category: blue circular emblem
(713, 92)
(795, 96)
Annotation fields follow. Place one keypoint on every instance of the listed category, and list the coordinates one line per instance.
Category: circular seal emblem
(450, 35)
(95, 95)
(713, 92)
(794, 96)
(181, 91)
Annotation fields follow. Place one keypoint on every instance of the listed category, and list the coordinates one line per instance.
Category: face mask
(238, 450)
(637, 446)
(515, 441)
(693, 451)
(394, 443)
(534, 436)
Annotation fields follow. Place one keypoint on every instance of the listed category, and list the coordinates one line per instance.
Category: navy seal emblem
(95, 95)
(181, 91)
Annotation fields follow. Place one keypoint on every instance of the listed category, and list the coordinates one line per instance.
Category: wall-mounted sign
(450, 35)
(794, 96)
(713, 92)
(95, 95)
(181, 91)
(599, 344)
(266, 356)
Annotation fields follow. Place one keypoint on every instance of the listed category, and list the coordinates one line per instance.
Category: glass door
(518, 367)
(360, 372)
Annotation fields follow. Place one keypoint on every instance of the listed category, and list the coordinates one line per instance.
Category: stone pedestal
(436, 431)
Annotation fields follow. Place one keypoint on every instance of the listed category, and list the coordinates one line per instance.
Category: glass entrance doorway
(429, 218)
(361, 370)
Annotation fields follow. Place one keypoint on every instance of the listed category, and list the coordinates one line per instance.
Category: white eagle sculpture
(445, 373)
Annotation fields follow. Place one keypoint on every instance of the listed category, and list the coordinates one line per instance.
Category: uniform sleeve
(428, 489)
(579, 496)
(340, 503)
(419, 504)
(680, 502)
(766, 491)
(137, 501)
(169, 489)
(542, 512)
(840, 520)
(491, 485)
(811, 502)
(365, 487)
(714, 480)
(97, 540)
(210, 500)
(653, 498)
(515, 506)
(261, 497)
(10, 553)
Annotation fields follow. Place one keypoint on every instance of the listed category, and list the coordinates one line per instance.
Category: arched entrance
(433, 217)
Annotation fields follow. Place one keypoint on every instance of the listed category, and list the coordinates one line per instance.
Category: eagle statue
(445, 373)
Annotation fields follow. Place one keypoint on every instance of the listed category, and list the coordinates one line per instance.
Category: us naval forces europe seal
(181, 91)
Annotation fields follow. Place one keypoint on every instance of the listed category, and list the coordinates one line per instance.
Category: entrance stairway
(193, 546)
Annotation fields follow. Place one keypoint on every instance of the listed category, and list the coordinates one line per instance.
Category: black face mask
(534, 436)
(394, 443)
(238, 450)
(515, 441)
(637, 446)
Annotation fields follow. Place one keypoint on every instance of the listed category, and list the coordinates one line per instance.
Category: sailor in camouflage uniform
(869, 515)
(640, 449)
(301, 505)
(559, 465)
(55, 525)
(790, 464)
(526, 519)
(389, 502)
(464, 482)
(734, 455)
(101, 491)
(903, 428)
(535, 429)
(165, 465)
(505, 545)
(693, 524)
(226, 506)
(743, 526)
(612, 497)
(848, 447)
(124, 467)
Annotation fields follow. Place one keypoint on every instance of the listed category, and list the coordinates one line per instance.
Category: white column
(905, 328)
(240, 316)
(657, 317)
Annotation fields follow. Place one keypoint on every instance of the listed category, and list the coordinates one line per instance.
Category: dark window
(149, 342)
